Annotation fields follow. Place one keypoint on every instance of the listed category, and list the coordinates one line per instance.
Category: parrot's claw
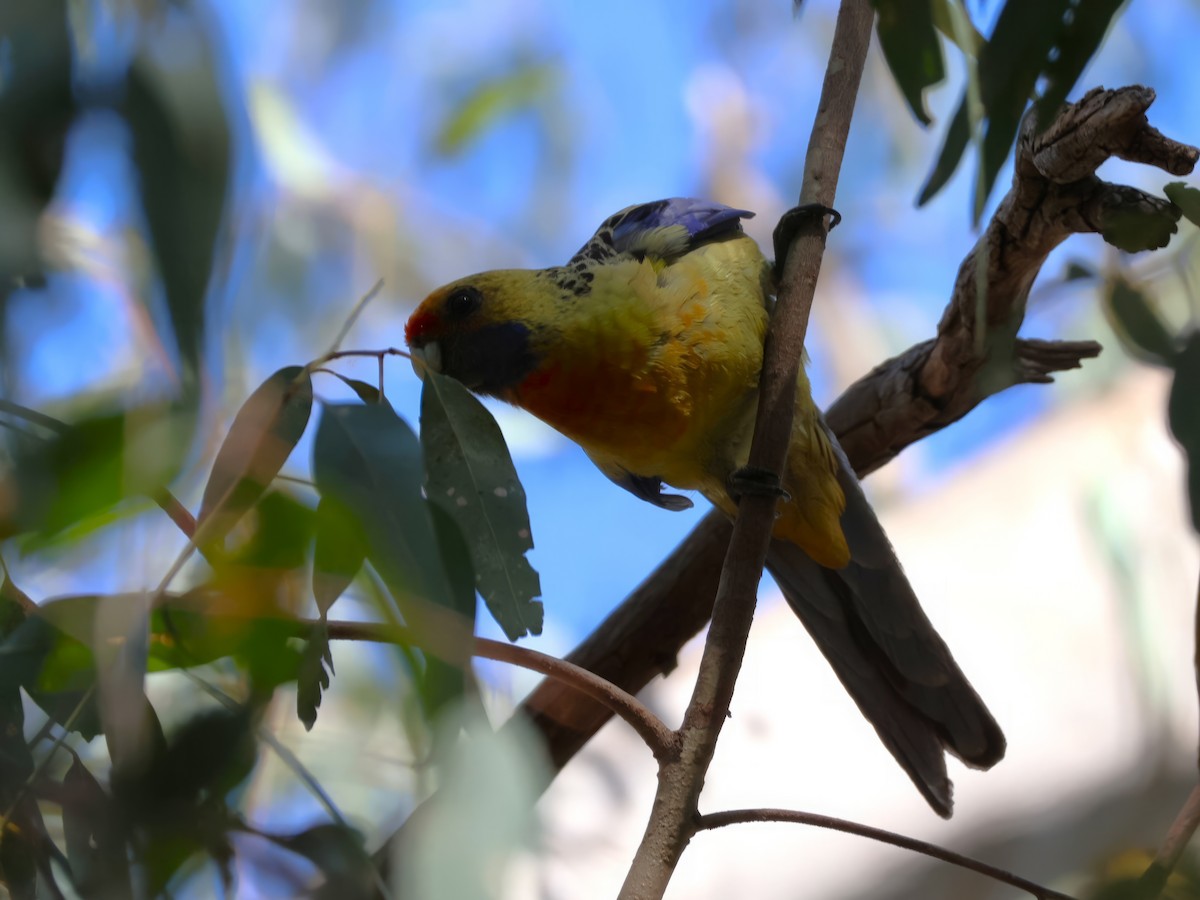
(796, 220)
(758, 482)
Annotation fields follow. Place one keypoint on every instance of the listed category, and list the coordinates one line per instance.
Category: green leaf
(341, 550)
(339, 853)
(86, 468)
(182, 150)
(1077, 43)
(1137, 323)
(94, 840)
(316, 665)
(263, 434)
(491, 102)
(470, 475)
(56, 668)
(1186, 198)
(446, 682)
(911, 47)
(280, 535)
(1135, 228)
(1078, 271)
(1183, 413)
(1032, 40)
(369, 461)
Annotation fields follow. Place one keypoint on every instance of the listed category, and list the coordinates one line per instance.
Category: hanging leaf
(1077, 43)
(1183, 413)
(369, 461)
(912, 49)
(316, 666)
(491, 102)
(341, 549)
(1137, 323)
(262, 436)
(94, 838)
(470, 475)
(339, 853)
(182, 150)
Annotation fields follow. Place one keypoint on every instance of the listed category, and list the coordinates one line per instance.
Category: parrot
(645, 349)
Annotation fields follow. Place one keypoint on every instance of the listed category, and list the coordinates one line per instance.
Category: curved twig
(710, 821)
(650, 728)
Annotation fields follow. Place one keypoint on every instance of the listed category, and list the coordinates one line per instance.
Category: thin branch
(672, 818)
(1154, 879)
(739, 816)
(901, 401)
(353, 316)
(656, 735)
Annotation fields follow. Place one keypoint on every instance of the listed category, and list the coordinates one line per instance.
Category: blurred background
(416, 142)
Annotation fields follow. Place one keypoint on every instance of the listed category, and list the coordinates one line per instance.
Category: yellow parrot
(645, 349)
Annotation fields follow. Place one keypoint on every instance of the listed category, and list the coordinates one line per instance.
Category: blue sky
(337, 112)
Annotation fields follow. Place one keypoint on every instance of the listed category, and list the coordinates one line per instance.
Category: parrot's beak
(427, 356)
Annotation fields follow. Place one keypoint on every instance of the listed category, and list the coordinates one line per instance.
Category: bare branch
(1154, 879)
(739, 816)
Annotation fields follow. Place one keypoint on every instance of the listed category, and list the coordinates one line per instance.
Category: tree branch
(910, 396)
(1154, 879)
(739, 816)
(672, 818)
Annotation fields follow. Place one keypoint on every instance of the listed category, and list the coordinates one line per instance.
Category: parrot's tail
(868, 623)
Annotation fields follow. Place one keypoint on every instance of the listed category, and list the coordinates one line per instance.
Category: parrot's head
(482, 330)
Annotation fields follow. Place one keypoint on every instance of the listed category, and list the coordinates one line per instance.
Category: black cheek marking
(490, 359)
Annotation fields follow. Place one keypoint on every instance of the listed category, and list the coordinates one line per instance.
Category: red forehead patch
(419, 324)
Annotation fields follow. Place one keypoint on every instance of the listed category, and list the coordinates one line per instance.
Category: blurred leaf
(280, 534)
(1183, 413)
(120, 647)
(492, 101)
(1186, 198)
(911, 47)
(369, 461)
(950, 17)
(480, 817)
(56, 668)
(1032, 40)
(88, 467)
(1077, 271)
(339, 853)
(182, 149)
(341, 549)
(1082, 31)
(1137, 323)
(94, 839)
(316, 665)
(262, 436)
(37, 108)
(470, 475)
(18, 845)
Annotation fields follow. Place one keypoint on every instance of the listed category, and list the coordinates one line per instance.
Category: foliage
(417, 524)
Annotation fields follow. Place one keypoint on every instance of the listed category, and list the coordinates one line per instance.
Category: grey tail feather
(867, 621)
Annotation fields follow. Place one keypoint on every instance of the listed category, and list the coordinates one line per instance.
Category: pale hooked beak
(427, 356)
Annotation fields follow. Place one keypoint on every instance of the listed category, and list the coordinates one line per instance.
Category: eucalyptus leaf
(1137, 323)
(470, 475)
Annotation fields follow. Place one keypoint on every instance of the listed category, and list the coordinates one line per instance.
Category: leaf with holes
(470, 474)
(316, 665)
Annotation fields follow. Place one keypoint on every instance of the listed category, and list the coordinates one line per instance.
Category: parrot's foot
(758, 482)
(796, 220)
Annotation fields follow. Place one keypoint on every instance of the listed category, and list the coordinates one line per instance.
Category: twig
(739, 816)
(1154, 879)
(353, 317)
(657, 736)
(672, 819)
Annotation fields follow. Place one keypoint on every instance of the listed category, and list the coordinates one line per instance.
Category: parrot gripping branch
(675, 814)
(1054, 194)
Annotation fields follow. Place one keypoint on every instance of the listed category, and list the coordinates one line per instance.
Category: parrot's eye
(463, 302)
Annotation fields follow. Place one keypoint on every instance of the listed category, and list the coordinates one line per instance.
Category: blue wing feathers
(664, 228)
